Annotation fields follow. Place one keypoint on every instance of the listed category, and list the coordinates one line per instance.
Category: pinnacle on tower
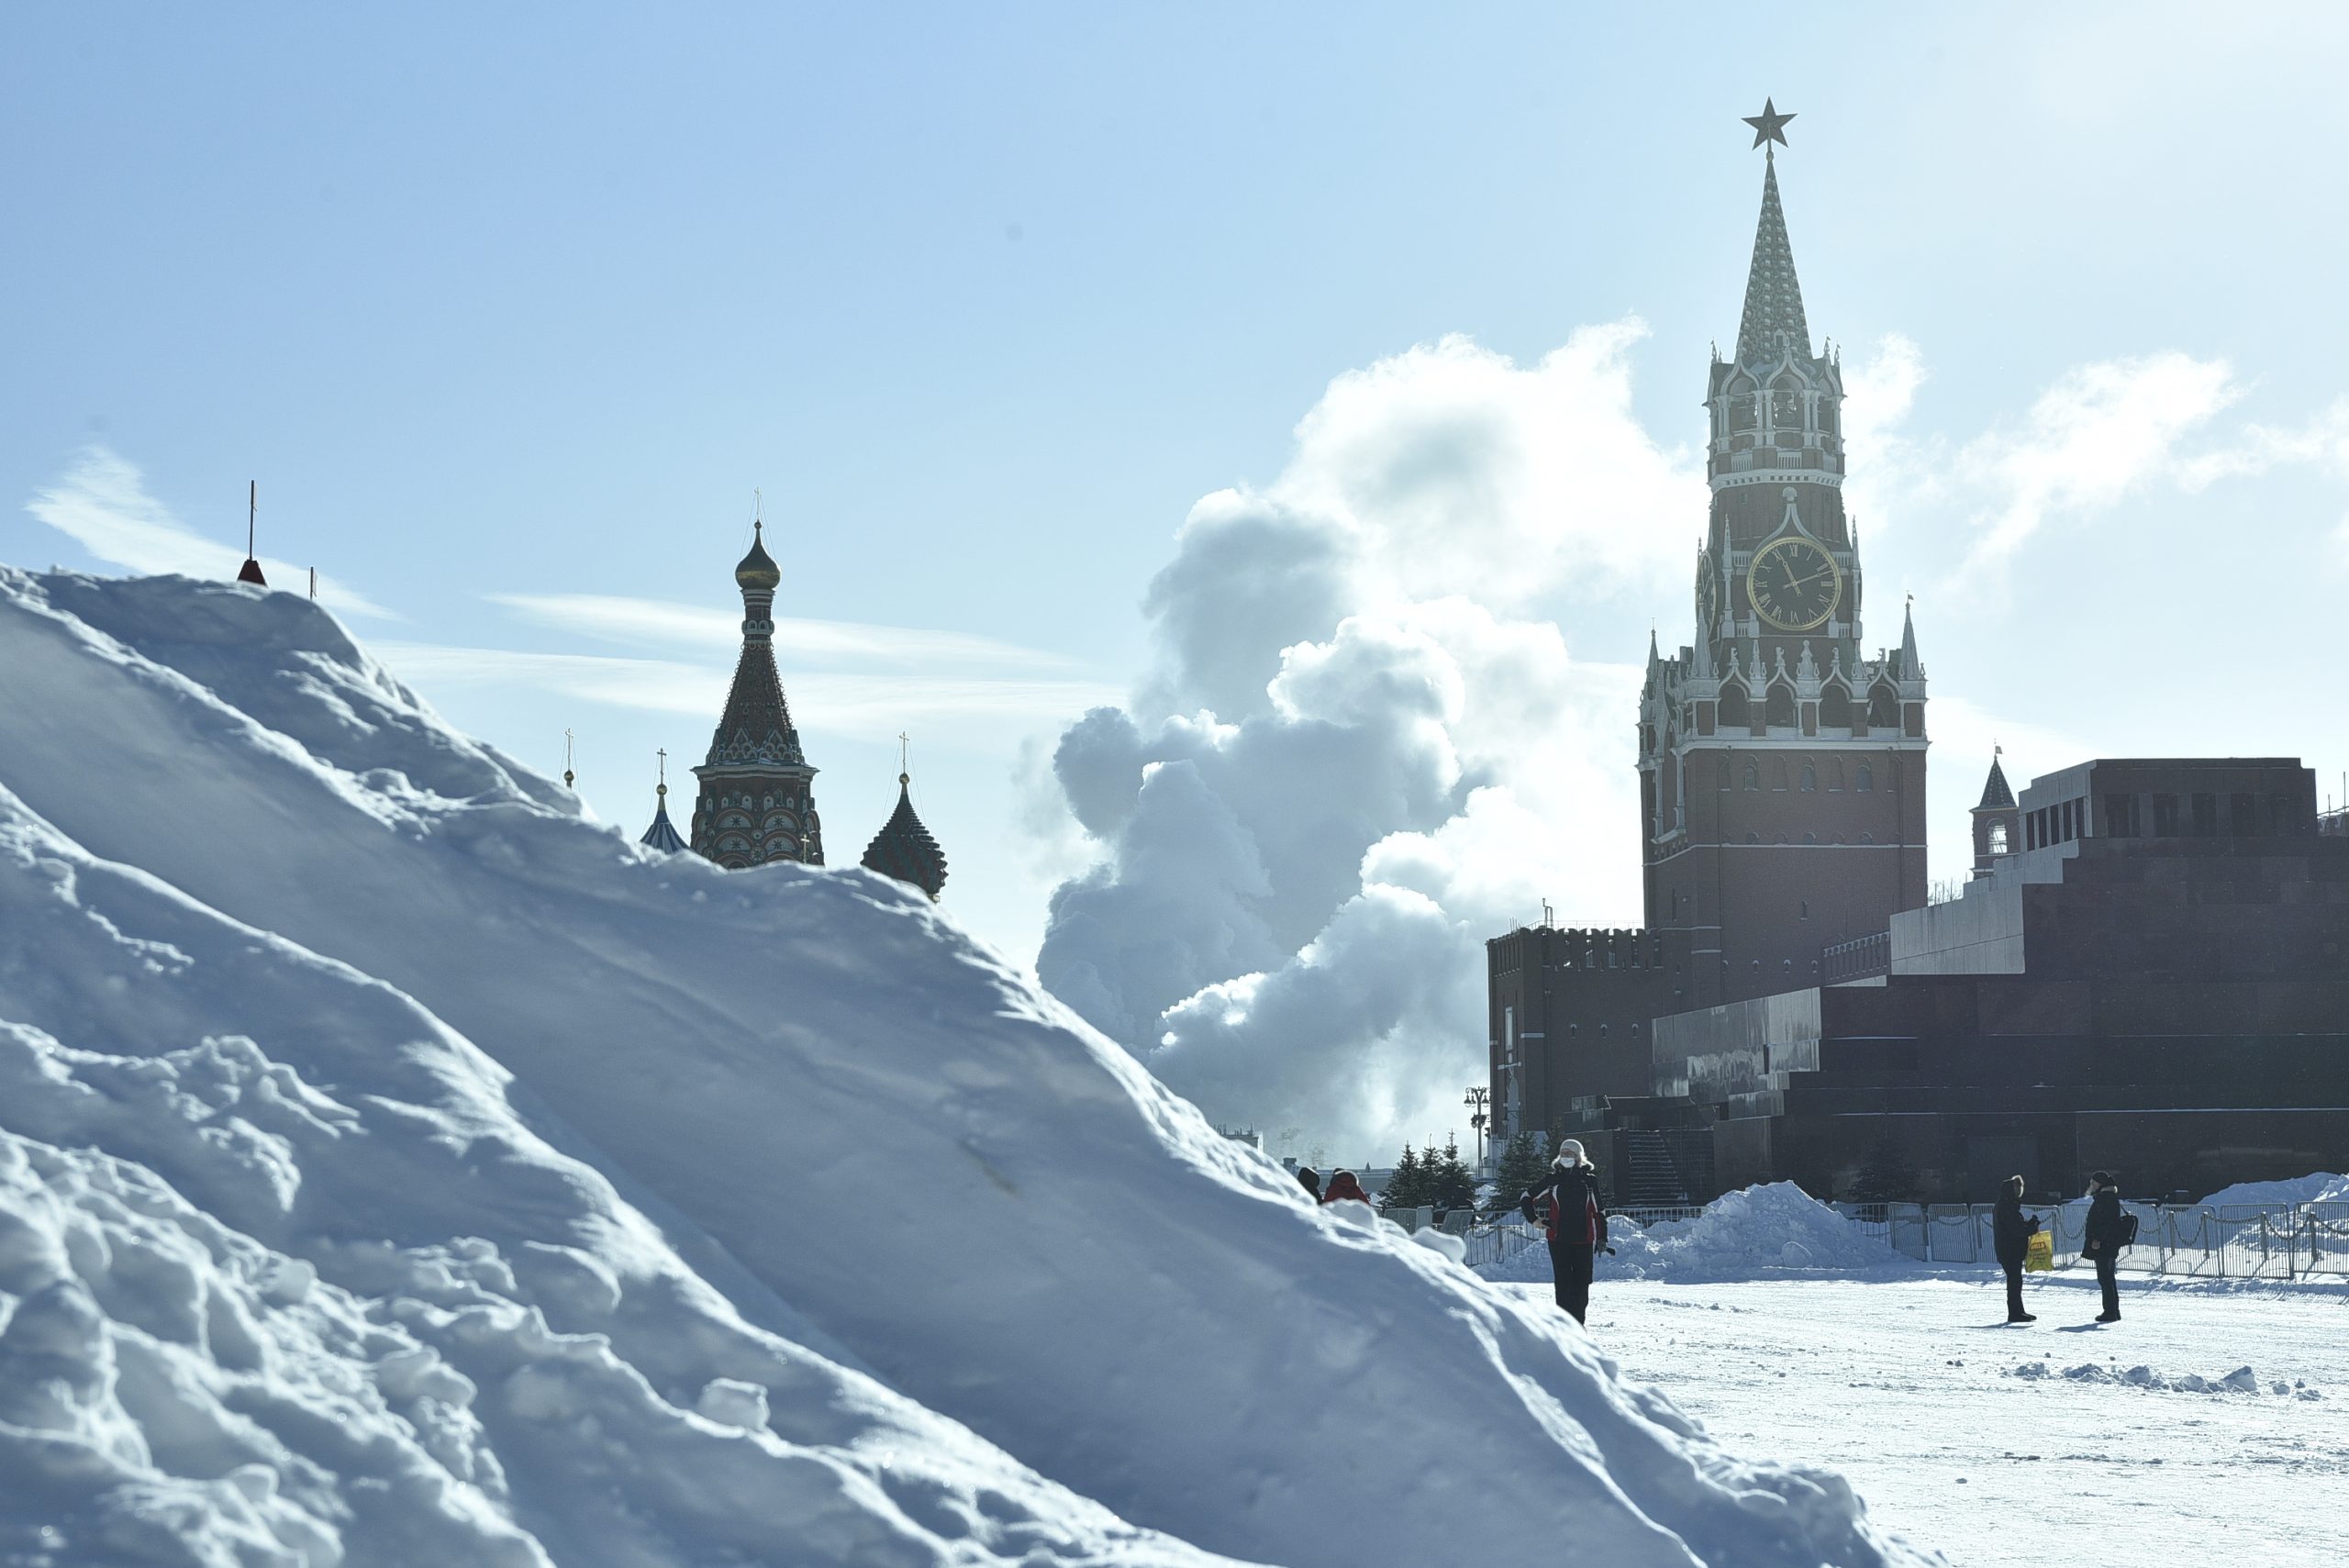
(1996, 793)
(1908, 668)
(1773, 320)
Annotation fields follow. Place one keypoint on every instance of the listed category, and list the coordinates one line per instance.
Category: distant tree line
(1431, 1178)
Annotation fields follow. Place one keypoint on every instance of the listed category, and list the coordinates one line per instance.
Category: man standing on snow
(2107, 1231)
(2010, 1234)
(1577, 1226)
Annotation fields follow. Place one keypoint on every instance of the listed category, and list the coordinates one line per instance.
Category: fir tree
(1406, 1187)
(1455, 1185)
(1886, 1175)
(1522, 1168)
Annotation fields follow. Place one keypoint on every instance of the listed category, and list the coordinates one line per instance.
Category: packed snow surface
(1754, 1233)
(400, 1168)
(2210, 1426)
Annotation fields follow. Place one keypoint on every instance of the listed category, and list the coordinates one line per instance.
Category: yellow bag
(2039, 1254)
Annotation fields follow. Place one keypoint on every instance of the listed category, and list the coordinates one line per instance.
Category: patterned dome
(758, 568)
(904, 849)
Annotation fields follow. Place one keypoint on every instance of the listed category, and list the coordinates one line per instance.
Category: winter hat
(2100, 1178)
(1570, 1153)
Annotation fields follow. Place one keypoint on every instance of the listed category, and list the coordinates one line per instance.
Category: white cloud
(861, 706)
(619, 619)
(2324, 440)
(1354, 763)
(2101, 432)
(1879, 393)
(101, 502)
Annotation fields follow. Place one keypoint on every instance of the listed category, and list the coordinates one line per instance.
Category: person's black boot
(2022, 1316)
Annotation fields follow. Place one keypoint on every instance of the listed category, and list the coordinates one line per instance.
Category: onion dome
(662, 834)
(758, 568)
(904, 849)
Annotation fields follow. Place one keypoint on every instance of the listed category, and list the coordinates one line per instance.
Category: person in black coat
(1312, 1180)
(2108, 1228)
(2011, 1233)
(1576, 1223)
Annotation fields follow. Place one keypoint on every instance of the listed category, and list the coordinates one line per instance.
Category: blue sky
(509, 309)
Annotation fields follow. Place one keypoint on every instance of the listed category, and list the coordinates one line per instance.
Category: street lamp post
(1479, 1098)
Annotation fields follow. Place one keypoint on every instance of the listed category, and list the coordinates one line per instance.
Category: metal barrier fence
(2196, 1241)
(1506, 1237)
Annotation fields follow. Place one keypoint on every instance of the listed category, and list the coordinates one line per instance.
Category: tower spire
(1773, 320)
(756, 802)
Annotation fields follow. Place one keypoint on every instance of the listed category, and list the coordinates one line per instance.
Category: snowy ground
(1910, 1387)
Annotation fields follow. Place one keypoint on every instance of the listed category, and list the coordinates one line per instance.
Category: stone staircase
(1649, 1178)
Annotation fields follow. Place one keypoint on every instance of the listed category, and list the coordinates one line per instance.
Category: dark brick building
(2156, 982)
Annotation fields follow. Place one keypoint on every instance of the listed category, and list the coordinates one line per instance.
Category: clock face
(1793, 583)
(1709, 594)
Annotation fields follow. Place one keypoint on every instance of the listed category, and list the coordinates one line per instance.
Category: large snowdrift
(806, 1230)
(2318, 1187)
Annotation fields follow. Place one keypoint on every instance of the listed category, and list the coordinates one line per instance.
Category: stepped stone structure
(2154, 982)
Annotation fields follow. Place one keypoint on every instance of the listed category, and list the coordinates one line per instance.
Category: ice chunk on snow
(734, 1403)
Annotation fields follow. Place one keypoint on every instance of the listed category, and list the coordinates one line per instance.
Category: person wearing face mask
(1576, 1225)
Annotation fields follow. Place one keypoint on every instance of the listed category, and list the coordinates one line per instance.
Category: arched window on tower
(1780, 708)
(1866, 780)
(1883, 708)
(1834, 773)
(1723, 780)
(1835, 706)
(1779, 775)
(1809, 776)
(1734, 711)
(1753, 774)
(1998, 838)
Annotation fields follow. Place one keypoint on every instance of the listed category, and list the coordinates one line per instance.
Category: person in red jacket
(1576, 1225)
(1343, 1186)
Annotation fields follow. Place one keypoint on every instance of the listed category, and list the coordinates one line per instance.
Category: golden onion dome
(758, 568)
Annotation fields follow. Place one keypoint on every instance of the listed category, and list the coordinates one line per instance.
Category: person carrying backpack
(2109, 1230)
(2010, 1234)
(1576, 1225)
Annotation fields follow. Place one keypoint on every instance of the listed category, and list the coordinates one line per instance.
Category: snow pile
(1754, 1233)
(804, 1229)
(2320, 1186)
(2243, 1379)
(358, 1312)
